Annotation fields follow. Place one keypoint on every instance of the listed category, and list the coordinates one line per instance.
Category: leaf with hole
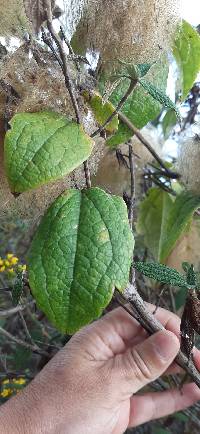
(186, 52)
(43, 147)
(81, 251)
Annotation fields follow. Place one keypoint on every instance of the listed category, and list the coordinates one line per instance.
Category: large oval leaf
(80, 253)
(43, 147)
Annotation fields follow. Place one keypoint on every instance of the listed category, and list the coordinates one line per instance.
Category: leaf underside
(80, 253)
(162, 274)
(43, 147)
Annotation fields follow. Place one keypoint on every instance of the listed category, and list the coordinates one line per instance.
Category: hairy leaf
(17, 289)
(186, 52)
(43, 147)
(140, 107)
(160, 96)
(162, 273)
(80, 253)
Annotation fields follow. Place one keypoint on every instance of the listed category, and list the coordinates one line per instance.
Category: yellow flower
(19, 381)
(9, 255)
(7, 263)
(6, 392)
(2, 268)
(11, 270)
(22, 267)
(6, 381)
(1, 262)
(14, 260)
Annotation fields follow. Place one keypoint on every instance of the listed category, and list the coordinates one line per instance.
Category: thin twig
(132, 198)
(68, 83)
(59, 45)
(27, 330)
(147, 145)
(71, 51)
(14, 310)
(87, 174)
(153, 325)
(24, 344)
(118, 108)
(48, 41)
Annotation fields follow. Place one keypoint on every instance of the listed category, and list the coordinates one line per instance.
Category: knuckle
(140, 368)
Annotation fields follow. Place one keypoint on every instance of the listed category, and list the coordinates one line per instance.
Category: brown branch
(87, 174)
(118, 108)
(24, 344)
(71, 51)
(14, 310)
(59, 45)
(68, 83)
(27, 331)
(147, 145)
(132, 198)
(152, 325)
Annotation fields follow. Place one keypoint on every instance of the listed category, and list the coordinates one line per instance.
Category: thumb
(150, 359)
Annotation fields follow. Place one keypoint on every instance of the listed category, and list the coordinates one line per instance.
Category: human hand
(90, 385)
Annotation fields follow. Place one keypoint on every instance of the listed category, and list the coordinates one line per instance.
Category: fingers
(147, 361)
(120, 323)
(155, 405)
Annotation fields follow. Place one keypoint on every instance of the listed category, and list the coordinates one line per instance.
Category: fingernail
(166, 345)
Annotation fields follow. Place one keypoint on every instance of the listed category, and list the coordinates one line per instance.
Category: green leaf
(152, 210)
(17, 289)
(132, 71)
(161, 431)
(181, 416)
(143, 68)
(21, 358)
(80, 253)
(140, 107)
(191, 276)
(177, 222)
(43, 147)
(180, 298)
(162, 273)
(186, 52)
(168, 122)
(102, 111)
(162, 221)
(160, 96)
